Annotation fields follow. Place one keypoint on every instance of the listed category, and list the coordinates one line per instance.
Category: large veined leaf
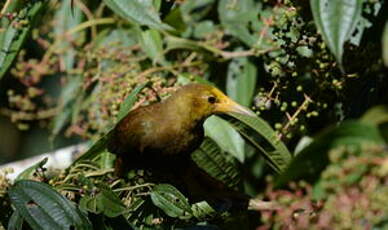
(225, 136)
(313, 159)
(171, 201)
(336, 21)
(15, 221)
(44, 208)
(100, 145)
(142, 12)
(216, 163)
(12, 38)
(257, 132)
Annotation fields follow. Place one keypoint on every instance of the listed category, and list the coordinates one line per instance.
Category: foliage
(78, 67)
(351, 190)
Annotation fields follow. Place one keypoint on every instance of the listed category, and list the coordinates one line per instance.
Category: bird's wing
(135, 132)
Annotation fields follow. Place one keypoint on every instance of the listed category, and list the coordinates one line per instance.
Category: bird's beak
(226, 105)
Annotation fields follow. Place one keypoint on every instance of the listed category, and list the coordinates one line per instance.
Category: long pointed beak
(228, 105)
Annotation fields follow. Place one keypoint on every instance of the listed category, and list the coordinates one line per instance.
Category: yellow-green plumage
(163, 132)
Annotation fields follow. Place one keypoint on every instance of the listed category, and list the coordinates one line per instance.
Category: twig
(90, 23)
(244, 53)
(5, 6)
(130, 188)
(169, 68)
(88, 14)
(306, 102)
(82, 26)
(26, 116)
(218, 52)
(99, 172)
(260, 205)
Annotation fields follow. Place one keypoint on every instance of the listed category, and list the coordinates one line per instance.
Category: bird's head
(207, 100)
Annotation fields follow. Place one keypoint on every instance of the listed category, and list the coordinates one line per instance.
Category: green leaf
(70, 90)
(44, 208)
(241, 80)
(89, 204)
(109, 204)
(97, 148)
(203, 29)
(117, 38)
(193, 11)
(174, 19)
(257, 132)
(15, 221)
(12, 38)
(59, 122)
(67, 18)
(106, 160)
(376, 115)
(67, 101)
(313, 159)
(129, 101)
(336, 21)
(217, 164)
(202, 210)
(29, 172)
(171, 201)
(100, 145)
(141, 12)
(152, 43)
(385, 44)
(225, 136)
(239, 18)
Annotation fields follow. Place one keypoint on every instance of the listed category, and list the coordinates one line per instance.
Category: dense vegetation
(315, 71)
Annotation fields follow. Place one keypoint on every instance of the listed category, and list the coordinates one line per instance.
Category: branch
(260, 205)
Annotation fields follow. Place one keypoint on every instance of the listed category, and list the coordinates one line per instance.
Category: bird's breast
(174, 141)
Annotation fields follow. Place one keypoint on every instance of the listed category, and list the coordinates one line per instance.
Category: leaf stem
(79, 27)
(130, 188)
(292, 118)
(5, 6)
(218, 52)
(260, 205)
(90, 23)
(88, 14)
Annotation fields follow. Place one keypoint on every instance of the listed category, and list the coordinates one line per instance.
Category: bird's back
(155, 135)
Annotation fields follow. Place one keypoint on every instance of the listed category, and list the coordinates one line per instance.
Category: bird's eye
(212, 99)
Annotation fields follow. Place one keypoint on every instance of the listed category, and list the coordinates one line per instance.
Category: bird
(162, 135)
